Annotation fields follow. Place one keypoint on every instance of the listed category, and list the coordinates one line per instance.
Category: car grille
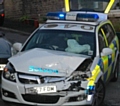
(37, 79)
(41, 98)
(28, 79)
(3, 60)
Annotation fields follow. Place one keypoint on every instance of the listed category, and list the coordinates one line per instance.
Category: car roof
(75, 22)
(76, 17)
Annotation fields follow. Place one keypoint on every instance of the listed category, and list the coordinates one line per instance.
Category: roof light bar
(87, 17)
(56, 15)
(91, 17)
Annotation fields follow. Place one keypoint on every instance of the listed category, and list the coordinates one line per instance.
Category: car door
(111, 42)
(104, 60)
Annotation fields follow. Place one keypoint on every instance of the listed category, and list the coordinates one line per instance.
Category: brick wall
(32, 8)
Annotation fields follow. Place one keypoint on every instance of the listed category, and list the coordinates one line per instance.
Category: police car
(66, 61)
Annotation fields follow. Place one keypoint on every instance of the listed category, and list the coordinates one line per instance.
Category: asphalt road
(112, 89)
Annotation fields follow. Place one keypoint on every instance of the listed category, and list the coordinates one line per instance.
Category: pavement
(17, 26)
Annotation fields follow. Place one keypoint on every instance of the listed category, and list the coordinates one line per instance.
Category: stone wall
(32, 8)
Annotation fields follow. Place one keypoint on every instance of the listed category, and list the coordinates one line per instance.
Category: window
(109, 32)
(101, 41)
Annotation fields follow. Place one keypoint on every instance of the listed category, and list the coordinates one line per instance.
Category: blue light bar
(56, 15)
(73, 16)
(87, 17)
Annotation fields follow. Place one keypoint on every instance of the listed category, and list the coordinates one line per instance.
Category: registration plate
(2, 66)
(45, 89)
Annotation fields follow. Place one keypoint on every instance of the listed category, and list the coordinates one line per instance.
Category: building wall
(31, 8)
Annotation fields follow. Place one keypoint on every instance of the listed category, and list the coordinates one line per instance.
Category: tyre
(99, 95)
(116, 72)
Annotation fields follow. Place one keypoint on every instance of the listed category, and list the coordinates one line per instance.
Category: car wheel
(99, 95)
(116, 72)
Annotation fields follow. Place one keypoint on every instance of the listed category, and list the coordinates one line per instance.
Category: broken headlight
(77, 75)
(9, 72)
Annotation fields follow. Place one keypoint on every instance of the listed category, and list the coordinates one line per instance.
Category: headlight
(9, 72)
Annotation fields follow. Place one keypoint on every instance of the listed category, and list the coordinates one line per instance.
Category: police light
(87, 17)
(56, 15)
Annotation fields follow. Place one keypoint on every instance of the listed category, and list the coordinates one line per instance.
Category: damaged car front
(46, 86)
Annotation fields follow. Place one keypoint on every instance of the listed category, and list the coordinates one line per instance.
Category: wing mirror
(106, 51)
(17, 46)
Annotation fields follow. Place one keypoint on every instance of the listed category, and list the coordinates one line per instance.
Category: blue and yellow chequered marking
(105, 63)
(113, 45)
(95, 74)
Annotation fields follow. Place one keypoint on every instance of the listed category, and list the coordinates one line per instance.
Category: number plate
(2, 66)
(45, 89)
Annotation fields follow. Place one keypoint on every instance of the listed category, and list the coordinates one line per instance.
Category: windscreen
(91, 5)
(77, 42)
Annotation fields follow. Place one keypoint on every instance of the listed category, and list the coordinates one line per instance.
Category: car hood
(46, 62)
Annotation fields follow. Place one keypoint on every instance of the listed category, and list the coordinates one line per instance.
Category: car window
(101, 41)
(109, 32)
(63, 40)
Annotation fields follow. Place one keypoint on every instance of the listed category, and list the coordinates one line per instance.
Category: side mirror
(106, 51)
(17, 46)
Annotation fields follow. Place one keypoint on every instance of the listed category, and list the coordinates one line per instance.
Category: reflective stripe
(104, 37)
(113, 56)
(95, 74)
(109, 6)
(105, 62)
(67, 6)
(111, 46)
(91, 83)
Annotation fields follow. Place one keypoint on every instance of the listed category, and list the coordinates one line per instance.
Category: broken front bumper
(58, 93)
